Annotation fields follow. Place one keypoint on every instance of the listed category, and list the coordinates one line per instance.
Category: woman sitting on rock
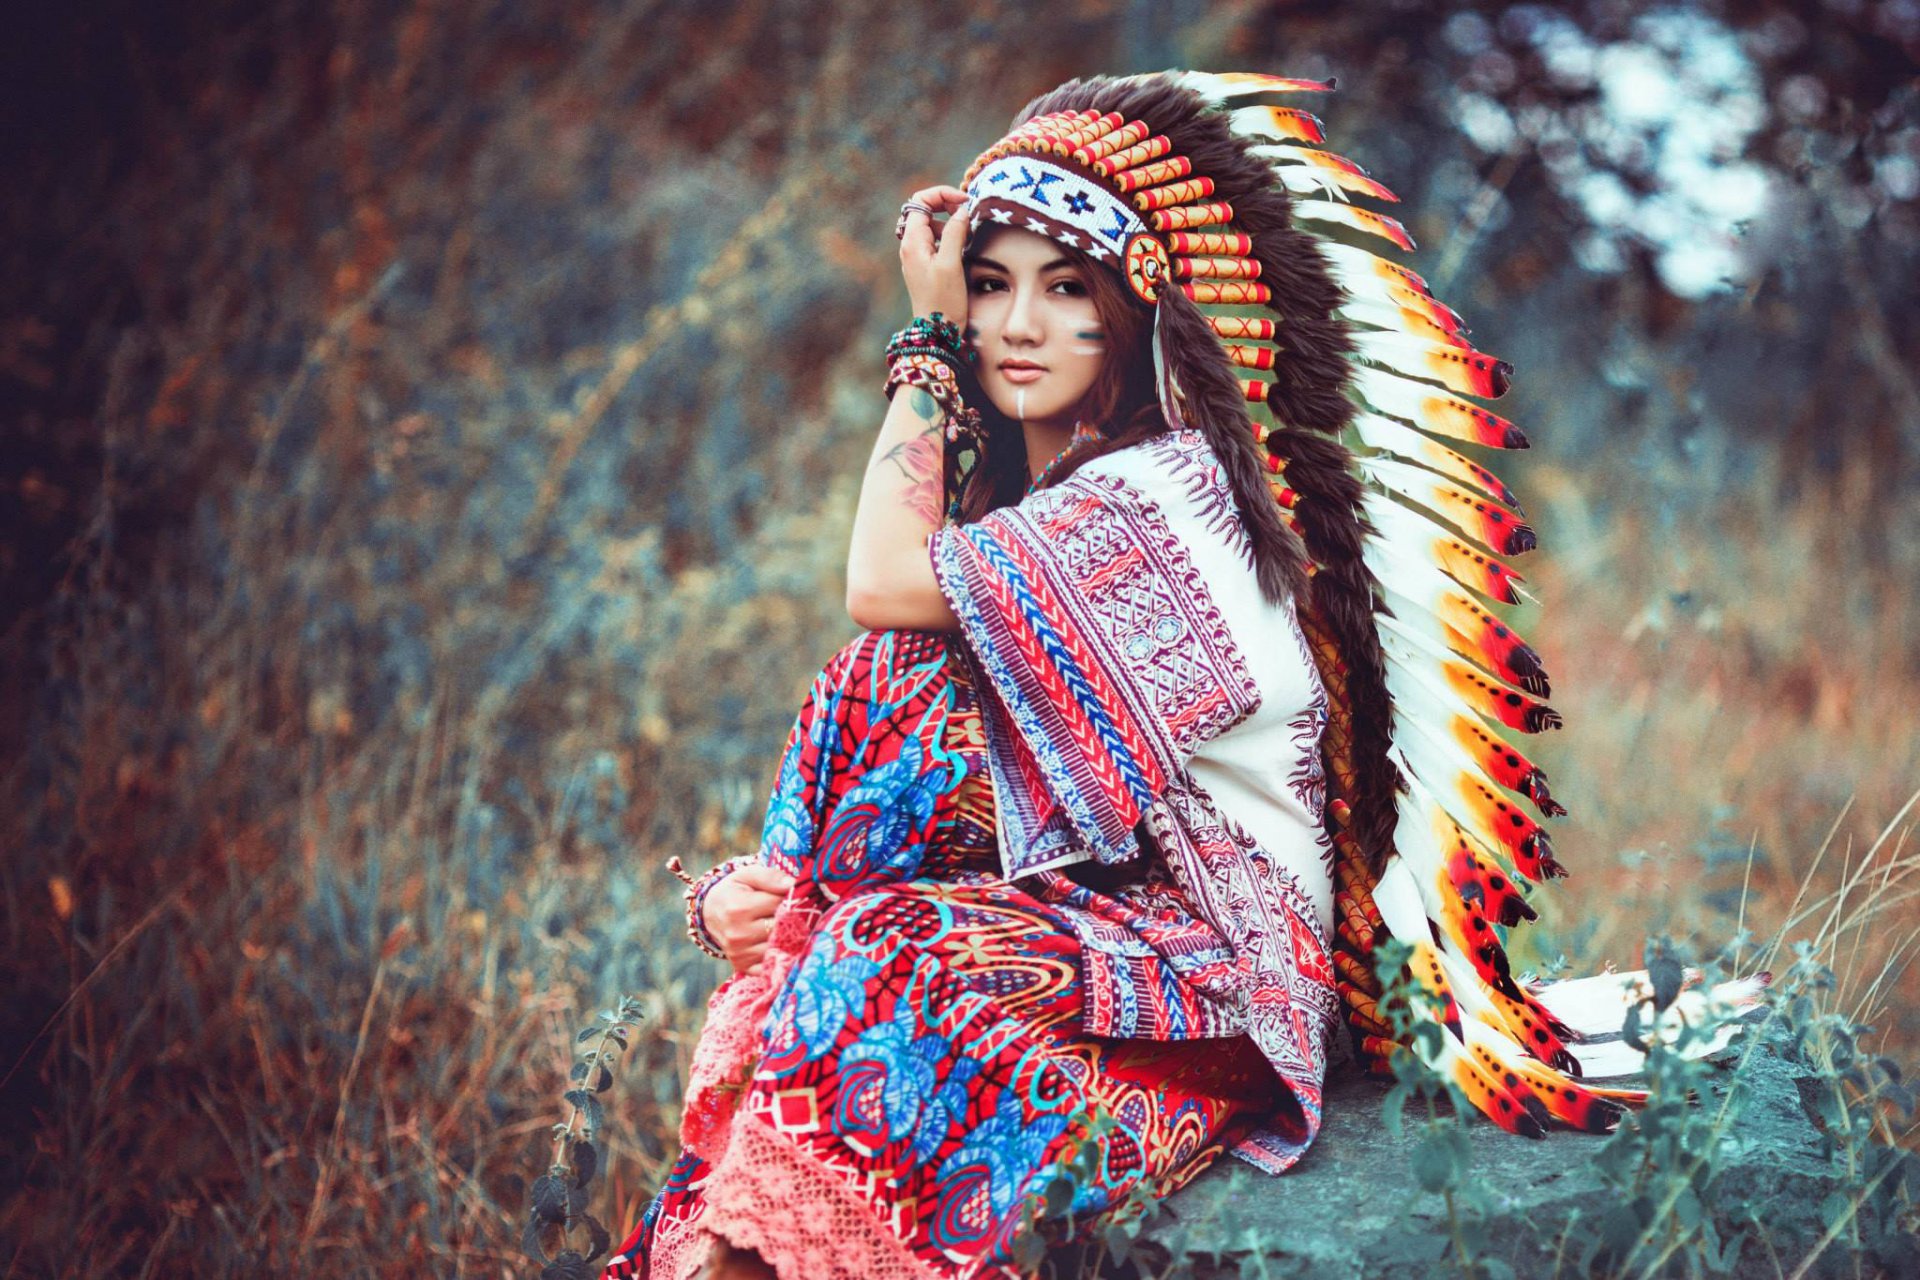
(1051, 873)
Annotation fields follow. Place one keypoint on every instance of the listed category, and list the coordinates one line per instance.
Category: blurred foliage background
(432, 431)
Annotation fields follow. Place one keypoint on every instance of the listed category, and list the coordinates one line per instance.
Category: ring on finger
(910, 207)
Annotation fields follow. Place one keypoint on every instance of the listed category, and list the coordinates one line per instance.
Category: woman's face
(1032, 319)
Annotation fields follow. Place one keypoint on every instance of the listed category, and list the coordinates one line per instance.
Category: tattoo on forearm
(925, 407)
(919, 460)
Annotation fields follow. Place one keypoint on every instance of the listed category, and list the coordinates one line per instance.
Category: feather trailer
(1502, 1038)
(1388, 436)
(1364, 220)
(1512, 1106)
(1461, 369)
(1460, 923)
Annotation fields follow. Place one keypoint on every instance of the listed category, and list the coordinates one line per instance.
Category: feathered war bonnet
(1325, 377)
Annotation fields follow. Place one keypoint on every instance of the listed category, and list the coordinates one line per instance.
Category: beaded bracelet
(934, 334)
(696, 900)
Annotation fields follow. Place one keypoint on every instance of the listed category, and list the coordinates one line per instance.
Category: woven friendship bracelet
(932, 372)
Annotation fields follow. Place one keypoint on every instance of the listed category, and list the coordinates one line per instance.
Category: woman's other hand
(930, 256)
(738, 912)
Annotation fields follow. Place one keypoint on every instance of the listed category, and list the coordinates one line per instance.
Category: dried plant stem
(126, 940)
(324, 1187)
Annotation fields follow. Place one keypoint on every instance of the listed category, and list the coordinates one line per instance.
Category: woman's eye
(1071, 288)
(987, 284)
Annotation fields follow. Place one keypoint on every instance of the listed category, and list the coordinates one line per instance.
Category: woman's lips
(1021, 373)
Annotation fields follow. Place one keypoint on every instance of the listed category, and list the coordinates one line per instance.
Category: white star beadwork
(1100, 219)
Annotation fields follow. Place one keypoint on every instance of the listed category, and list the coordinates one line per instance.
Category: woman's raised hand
(738, 912)
(930, 256)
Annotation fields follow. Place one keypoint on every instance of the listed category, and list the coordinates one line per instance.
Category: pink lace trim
(770, 1196)
(728, 1050)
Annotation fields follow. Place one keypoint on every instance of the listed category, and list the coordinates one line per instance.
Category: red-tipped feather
(1504, 764)
(1485, 813)
(1481, 884)
(1581, 1107)
(1511, 1106)
(1435, 604)
(1496, 701)
(1413, 536)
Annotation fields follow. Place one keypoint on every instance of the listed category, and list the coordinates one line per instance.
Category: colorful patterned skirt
(893, 1093)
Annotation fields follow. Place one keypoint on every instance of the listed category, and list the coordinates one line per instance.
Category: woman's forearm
(890, 579)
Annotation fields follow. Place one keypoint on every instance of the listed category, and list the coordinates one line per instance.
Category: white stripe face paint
(1020, 403)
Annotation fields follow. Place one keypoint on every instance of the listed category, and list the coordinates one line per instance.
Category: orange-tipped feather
(1402, 441)
(1500, 530)
(1411, 535)
(1220, 86)
(1436, 411)
(1365, 220)
(1461, 369)
(1388, 318)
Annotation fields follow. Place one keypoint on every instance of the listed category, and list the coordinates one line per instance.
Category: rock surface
(1352, 1208)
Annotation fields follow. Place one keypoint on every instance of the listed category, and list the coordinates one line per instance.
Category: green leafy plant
(1442, 1157)
(1056, 1243)
(557, 1202)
